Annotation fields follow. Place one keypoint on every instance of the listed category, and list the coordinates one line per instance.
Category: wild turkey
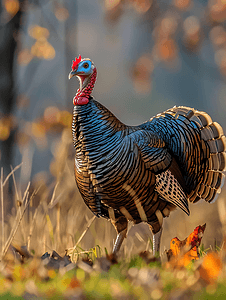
(141, 173)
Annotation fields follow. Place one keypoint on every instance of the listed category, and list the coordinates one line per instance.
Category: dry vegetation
(48, 217)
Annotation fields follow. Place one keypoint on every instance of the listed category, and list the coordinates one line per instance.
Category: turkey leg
(120, 237)
(156, 242)
(121, 227)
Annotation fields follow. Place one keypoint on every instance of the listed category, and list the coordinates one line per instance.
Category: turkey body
(143, 172)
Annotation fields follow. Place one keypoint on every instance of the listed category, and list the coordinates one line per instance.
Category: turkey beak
(71, 74)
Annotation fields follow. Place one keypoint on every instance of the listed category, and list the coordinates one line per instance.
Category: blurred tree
(33, 42)
(173, 29)
(10, 20)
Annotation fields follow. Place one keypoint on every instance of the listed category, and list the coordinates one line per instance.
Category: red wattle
(82, 96)
(80, 101)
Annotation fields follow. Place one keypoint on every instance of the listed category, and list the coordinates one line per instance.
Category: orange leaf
(181, 253)
(194, 239)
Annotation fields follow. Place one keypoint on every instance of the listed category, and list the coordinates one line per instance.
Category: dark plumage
(143, 172)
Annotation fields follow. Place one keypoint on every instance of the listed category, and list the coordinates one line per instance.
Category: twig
(55, 201)
(26, 202)
(12, 173)
(44, 242)
(147, 245)
(33, 219)
(18, 198)
(2, 204)
(32, 228)
(16, 223)
(84, 232)
(58, 223)
(53, 196)
(14, 181)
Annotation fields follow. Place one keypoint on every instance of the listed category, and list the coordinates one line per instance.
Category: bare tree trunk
(8, 42)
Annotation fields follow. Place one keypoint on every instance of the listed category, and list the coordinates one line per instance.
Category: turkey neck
(84, 92)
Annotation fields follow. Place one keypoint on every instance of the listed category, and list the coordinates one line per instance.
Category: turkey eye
(85, 65)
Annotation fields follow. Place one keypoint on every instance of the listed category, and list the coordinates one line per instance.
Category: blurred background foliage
(150, 55)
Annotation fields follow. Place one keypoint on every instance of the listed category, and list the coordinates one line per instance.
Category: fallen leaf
(181, 253)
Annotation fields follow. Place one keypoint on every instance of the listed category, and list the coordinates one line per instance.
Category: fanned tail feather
(213, 136)
(199, 146)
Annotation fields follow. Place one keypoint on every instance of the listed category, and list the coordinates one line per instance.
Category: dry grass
(52, 216)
